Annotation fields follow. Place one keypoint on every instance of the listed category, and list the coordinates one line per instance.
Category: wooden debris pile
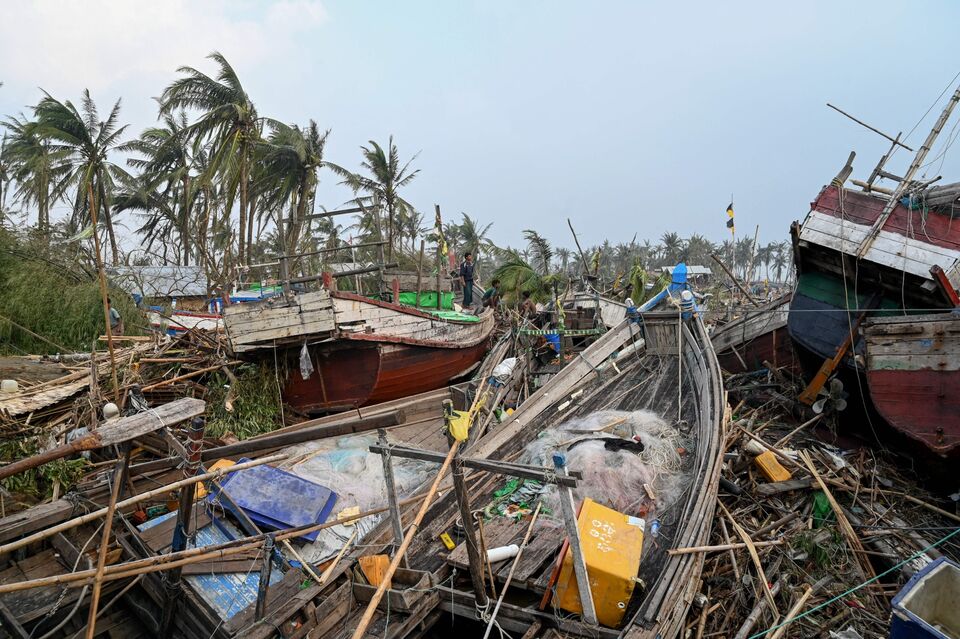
(809, 538)
(59, 399)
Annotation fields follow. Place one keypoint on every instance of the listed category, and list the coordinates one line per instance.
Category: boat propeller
(832, 398)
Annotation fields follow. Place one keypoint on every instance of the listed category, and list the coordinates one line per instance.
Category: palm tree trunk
(185, 221)
(251, 214)
(390, 208)
(243, 203)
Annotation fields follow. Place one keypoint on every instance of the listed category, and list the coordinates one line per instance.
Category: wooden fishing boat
(871, 253)
(620, 371)
(759, 335)
(344, 350)
(913, 371)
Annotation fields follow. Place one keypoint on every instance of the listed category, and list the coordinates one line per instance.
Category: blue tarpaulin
(275, 498)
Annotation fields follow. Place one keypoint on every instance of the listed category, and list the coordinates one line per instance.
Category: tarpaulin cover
(275, 498)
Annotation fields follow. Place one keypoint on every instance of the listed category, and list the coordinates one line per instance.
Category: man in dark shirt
(491, 297)
(466, 279)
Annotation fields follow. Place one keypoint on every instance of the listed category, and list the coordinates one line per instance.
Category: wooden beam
(97, 514)
(324, 431)
(113, 432)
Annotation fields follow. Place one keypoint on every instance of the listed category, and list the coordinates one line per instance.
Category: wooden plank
(889, 249)
(35, 518)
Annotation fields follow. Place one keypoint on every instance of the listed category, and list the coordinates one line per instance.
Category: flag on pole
(730, 224)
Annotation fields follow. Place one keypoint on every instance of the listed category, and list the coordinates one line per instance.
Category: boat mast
(908, 176)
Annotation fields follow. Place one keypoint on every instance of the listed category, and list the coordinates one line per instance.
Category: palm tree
(290, 161)
(529, 270)
(781, 259)
(672, 247)
(564, 254)
(473, 236)
(385, 177)
(38, 171)
(85, 142)
(165, 185)
(229, 121)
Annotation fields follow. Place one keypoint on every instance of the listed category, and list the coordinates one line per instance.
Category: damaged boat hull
(759, 336)
(362, 351)
(363, 372)
(913, 372)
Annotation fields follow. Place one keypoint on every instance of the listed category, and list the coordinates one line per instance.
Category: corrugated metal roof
(160, 281)
(692, 269)
(226, 592)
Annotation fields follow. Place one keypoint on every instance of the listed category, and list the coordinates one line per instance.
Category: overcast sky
(628, 117)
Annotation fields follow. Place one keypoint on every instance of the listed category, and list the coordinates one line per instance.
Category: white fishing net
(346, 466)
(613, 475)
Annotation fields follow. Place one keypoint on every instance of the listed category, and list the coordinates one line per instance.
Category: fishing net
(629, 460)
(346, 466)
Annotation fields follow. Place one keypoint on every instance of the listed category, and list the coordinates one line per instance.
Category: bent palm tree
(229, 121)
(37, 170)
(385, 178)
(290, 160)
(85, 142)
(164, 188)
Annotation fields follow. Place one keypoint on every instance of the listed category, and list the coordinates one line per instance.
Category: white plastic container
(9, 386)
(503, 552)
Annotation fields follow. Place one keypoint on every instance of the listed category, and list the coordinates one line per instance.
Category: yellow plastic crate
(770, 467)
(612, 543)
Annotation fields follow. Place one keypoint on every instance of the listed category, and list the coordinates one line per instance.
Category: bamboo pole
(336, 560)
(381, 589)
(752, 550)
(105, 544)
(513, 566)
(83, 519)
(731, 546)
(160, 563)
(734, 278)
(794, 610)
(419, 275)
(62, 349)
(179, 378)
(103, 293)
(866, 568)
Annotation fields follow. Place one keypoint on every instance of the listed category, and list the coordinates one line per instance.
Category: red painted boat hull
(357, 373)
(923, 404)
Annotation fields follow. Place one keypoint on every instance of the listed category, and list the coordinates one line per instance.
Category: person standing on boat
(466, 279)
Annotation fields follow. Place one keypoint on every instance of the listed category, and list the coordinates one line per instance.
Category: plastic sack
(306, 364)
(504, 369)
